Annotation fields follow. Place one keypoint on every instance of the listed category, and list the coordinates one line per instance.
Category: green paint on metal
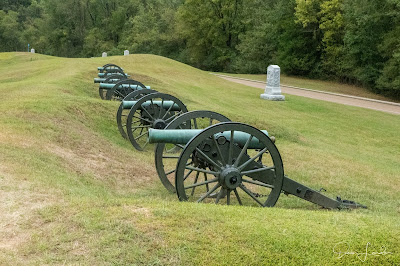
(109, 86)
(99, 80)
(182, 136)
(166, 104)
(101, 75)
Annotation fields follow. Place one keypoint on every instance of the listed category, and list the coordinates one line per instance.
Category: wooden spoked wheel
(167, 155)
(122, 113)
(154, 110)
(214, 169)
(122, 89)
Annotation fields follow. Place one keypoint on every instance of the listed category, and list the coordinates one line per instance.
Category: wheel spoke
(202, 183)
(172, 117)
(166, 112)
(218, 150)
(211, 121)
(188, 174)
(230, 148)
(141, 135)
(170, 157)
(242, 151)
(144, 109)
(237, 196)
(208, 158)
(228, 197)
(161, 108)
(142, 126)
(257, 170)
(144, 146)
(201, 170)
(252, 159)
(205, 179)
(195, 123)
(141, 118)
(248, 192)
(219, 196)
(209, 192)
(257, 183)
(170, 172)
(195, 181)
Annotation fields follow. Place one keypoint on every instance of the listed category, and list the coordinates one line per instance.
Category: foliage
(353, 41)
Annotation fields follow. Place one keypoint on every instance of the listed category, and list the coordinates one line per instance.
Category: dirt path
(388, 107)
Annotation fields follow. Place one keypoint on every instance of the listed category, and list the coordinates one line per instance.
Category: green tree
(9, 31)
(389, 80)
(211, 29)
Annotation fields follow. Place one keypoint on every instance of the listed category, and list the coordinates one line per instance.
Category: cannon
(123, 110)
(105, 79)
(234, 163)
(153, 110)
(113, 79)
(106, 74)
(120, 89)
(167, 154)
(110, 68)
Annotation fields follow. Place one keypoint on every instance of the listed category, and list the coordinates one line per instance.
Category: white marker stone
(104, 54)
(32, 51)
(273, 89)
(126, 52)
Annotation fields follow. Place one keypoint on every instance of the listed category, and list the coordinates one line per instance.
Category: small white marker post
(273, 89)
(126, 52)
(32, 51)
(104, 54)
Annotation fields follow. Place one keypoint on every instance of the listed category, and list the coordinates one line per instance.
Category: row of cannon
(201, 155)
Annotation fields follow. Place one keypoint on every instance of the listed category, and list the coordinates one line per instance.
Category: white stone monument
(126, 52)
(273, 89)
(104, 54)
(32, 51)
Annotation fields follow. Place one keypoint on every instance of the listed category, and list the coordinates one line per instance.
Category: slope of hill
(73, 191)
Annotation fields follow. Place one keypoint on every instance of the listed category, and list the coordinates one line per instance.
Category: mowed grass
(319, 85)
(74, 192)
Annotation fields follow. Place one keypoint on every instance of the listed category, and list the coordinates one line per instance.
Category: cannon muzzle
(182, 136)
(99, 80)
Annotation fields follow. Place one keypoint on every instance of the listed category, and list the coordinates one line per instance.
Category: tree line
(352, 41)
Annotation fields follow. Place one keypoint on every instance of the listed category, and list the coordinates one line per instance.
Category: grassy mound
(74, 192)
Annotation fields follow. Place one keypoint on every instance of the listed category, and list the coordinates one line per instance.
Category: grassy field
(74, 192)
(319, 85)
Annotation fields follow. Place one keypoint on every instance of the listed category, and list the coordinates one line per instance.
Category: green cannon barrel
(101, 80)
(103, 75)
(109, 86)
(166, 104)
(102, 68)
(182, 136)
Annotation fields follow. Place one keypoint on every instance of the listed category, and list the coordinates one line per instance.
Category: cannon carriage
(234, 163)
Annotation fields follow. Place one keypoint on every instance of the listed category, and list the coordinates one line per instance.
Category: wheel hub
(159, 124)
(230, 177)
